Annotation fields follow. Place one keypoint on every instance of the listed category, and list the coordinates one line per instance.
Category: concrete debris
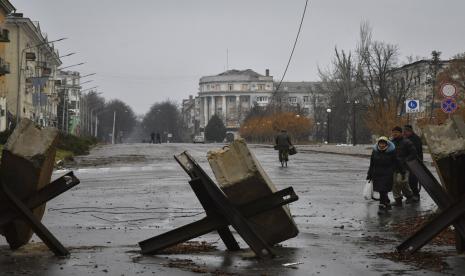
(27, 165)
(242, 179)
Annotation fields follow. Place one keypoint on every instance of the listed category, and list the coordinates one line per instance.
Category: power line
(293, 47)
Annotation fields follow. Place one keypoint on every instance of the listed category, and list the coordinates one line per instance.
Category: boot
(382, 209)
(398, 202)
(388, 206)
(410, 200)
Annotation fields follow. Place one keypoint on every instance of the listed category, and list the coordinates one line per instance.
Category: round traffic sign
(449, 105)
(412, 104)
(448, 90)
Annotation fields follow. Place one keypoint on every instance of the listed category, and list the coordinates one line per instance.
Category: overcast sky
(145, 51)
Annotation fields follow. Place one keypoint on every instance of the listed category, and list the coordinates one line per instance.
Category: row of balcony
(4, 66)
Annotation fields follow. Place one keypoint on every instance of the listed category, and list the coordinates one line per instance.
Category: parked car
(199, 139)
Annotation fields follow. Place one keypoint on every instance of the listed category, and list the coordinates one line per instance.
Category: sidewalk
(342, 149)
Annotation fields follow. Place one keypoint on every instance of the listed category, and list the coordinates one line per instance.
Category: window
(306, 99)
(292, 100)
(245, 87)
(230, 87)
(262, 99)
(261, 87)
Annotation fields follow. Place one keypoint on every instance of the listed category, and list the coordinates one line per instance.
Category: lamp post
(354, 120)
(66, 67)
(317, 132)
(328, 111)
(113, 132)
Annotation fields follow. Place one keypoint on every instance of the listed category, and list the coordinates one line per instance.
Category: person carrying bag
(381, 171)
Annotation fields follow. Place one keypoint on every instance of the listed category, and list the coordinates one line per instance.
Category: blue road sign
(449, 105)
(412, 106)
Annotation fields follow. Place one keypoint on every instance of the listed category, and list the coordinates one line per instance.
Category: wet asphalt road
(131, 192)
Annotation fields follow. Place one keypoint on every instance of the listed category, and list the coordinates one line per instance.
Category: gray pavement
(131, 192)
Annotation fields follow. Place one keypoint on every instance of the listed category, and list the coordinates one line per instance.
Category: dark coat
(283, 142)
(405, 151)
(382, 166)
(416, 140)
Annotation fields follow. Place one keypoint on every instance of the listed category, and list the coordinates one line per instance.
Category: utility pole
(113, 134)
(328, 111)
(434, 64)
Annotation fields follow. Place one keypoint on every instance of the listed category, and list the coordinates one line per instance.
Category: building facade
(69, 108)
(231, 94)
(417, 81)
(31, 91)
(5, 9)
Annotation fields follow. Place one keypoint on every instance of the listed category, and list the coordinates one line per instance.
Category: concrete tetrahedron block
(242, 179)
(447, 147)
(26, 166)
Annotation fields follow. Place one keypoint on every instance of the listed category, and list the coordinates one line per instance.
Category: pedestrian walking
(405, 150)
(383, 163)
(158, 138)
(152, 138)
(283, 143)
(416, 140)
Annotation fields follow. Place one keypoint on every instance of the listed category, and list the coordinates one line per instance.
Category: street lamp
(77, 64)
(91, 88)
(317, 132)
(354, 132)
(67, 55)
(114, 123)
(91, 74)
(328, 111)
(86, 82)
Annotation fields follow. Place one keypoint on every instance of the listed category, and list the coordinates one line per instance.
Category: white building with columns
(231, 94)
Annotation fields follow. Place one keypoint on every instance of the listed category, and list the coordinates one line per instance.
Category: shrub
(215, 130)
(77, 145)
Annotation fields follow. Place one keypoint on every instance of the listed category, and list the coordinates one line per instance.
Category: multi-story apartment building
(417, 81)
(69, 108)
(189, 111)
(34, 61)
(5, 8)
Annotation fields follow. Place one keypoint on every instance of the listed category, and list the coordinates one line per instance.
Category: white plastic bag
(368, 190)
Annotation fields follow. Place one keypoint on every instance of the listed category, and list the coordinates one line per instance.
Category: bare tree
(340, 82)
(164, 118)
(376, 61)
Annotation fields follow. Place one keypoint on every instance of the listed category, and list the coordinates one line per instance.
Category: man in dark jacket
(283, 142)
(405, 150)
(381, 172)
(416, 140)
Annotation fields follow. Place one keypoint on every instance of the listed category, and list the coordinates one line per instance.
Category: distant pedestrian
(152, 138)
(283, 143)
(405, 150)
(383, 163)
(158, 138)
(416, 140)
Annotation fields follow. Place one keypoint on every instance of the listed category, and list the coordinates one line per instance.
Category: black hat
(408, 127)
(397, 128)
